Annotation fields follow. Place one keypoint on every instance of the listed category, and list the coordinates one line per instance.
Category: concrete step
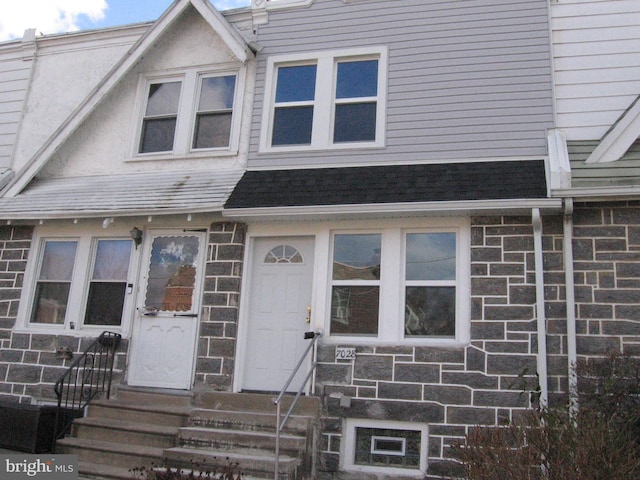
(96, 471)
(253, 465)
(240, 441)
(125, 432)
(245, 420)
(151, 396)
(255, 402)
(115, 409)
(110, 454)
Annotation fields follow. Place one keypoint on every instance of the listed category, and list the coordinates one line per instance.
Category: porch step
(131, 431)
(125, 432)
(224, 440)
(110, 453)
(141, 428)
(257, 465)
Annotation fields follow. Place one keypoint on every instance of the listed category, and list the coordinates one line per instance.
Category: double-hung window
(332, 99)
(400, 285)
(80, 282)
(189, 113)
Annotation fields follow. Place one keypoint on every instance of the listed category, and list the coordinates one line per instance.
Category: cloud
(48, 16)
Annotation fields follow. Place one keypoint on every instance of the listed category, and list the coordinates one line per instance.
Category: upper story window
(329, 100)
(189, 113)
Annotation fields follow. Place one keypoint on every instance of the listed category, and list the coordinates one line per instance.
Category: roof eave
(327, 212)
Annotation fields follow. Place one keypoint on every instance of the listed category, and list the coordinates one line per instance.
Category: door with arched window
(280, 292)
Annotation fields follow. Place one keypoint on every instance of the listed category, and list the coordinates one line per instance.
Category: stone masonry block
(447, 395)
(417, 373)
(373, 367)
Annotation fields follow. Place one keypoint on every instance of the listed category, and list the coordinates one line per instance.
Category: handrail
(313, 336)
(87, 376)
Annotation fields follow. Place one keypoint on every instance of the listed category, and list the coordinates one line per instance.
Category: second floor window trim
(186, 88)
(322, 101)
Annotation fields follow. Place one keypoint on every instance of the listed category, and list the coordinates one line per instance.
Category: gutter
(321, 212)
(570, 301)
(540, 308)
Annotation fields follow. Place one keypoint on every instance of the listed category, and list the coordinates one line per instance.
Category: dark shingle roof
(391, 184)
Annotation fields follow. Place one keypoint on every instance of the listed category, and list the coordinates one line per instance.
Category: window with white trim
(385, 446)
(332, 99)
(400, 285)
(80, 282)
(189, 112)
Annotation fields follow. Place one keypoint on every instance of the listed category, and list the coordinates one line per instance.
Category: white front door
(163, 343)
(279, 297)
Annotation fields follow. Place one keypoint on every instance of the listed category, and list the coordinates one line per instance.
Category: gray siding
(625, 171)
(14, 81)
(467, 79)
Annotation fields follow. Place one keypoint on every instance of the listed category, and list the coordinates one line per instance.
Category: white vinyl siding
(596, 47)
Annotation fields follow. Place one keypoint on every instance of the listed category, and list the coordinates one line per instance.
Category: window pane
(357, 256)
(157, 135)
(368, 438)
(357, 79)
(216, 93)
(354, 310)
(163, 99)
(172, 273)
(292, 126)
(50, 302)
(296, 84)
(212, 130)
(57, 261)
(430, 311)
(112, 260)
(355, 122)
(431, 256)
(105, 303)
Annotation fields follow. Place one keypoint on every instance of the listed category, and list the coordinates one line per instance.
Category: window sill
(146, 157)
(331, 148)
(403, 342)
(61, 331)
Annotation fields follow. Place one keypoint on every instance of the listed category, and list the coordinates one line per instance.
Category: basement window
(378, 446)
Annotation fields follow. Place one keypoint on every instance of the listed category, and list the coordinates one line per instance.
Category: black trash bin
(27, 428)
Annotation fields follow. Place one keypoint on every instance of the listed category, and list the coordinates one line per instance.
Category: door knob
(308, 319)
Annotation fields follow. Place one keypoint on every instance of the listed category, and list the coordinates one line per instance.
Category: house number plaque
(345, 353)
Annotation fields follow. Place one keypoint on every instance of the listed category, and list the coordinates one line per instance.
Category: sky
(56, 16)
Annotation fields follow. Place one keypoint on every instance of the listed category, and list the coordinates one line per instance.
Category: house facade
(121, 147)
(404, 179)
(397, 172)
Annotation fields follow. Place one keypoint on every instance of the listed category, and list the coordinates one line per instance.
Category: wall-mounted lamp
(136, 236)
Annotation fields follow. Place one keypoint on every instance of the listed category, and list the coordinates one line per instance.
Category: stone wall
(218, 329)
(452, 389)
(29, 366)
(607, 276)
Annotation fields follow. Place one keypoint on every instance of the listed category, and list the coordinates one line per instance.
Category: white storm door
(280, 294)
(163, 343)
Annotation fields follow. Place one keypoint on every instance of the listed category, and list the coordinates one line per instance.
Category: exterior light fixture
(136, 236)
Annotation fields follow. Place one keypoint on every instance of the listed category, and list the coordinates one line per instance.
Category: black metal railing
(88, 376)
(281, 422)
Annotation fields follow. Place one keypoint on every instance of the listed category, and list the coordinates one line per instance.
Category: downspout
(540, 309)
(572, 350)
